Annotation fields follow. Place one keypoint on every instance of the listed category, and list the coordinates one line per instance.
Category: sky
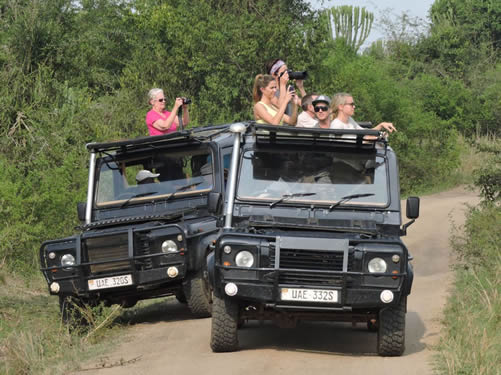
(390, 8)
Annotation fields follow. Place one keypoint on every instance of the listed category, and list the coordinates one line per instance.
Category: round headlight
(377, 265)
(169, 246)
(244, 259)
(67, 260)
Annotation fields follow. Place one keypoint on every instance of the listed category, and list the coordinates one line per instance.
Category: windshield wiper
(349, 197)
(183, 188)
(289, 196)
(137, 196)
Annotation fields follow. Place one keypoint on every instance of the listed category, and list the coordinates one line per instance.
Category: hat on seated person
(144, 174)
(322, 99)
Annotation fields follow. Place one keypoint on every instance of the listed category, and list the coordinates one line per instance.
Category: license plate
(309, 295)
(110, 282)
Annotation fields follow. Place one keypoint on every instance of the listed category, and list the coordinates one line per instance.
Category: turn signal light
(226, 263)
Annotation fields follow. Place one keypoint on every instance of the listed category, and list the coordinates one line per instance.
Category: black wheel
(198, 294)
(181, 298)
(129, 302)
(391, 330)
(71, 310)
(224, 331)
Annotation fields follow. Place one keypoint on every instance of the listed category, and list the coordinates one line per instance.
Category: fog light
(231, 289)
(386, 296)
(52, 255)
(172, 272)
(227, 249)
(54, 287)
(395, 258)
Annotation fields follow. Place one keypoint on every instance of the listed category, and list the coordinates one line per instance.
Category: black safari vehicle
(144, 237)
(312, 231)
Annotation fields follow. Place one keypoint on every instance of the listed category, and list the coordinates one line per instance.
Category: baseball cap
(322, 99)
(144, 174)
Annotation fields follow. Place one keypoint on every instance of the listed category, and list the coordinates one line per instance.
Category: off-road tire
(198, 295)
(391, 330)
(224, 331)
(181, 298)
(70, 308)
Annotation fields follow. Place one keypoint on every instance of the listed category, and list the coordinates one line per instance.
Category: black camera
(186, 101)
(297, 75)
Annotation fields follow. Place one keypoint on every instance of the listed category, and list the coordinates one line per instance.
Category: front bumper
(328, 265)
(264, 287)
(127, 261)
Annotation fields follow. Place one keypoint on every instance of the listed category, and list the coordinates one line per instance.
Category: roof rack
(207, 132)
(355, 137)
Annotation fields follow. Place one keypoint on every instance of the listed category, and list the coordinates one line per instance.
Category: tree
(350, 23)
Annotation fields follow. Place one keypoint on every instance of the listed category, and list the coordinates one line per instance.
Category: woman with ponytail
(265, 112)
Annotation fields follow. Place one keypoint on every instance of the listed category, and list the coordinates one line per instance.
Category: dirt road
(166, 340)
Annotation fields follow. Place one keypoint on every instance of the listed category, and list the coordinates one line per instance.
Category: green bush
(471, 343)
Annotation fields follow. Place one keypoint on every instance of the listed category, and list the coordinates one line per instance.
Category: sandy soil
(169, 341)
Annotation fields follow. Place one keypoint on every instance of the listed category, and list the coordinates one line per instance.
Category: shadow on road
(326, 337)
(315, 337)
(159, 310)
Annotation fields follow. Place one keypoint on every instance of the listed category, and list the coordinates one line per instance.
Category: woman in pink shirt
(160, 121)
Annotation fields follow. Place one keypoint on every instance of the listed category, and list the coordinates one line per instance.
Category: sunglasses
(352, 104)
(162, 100)
(321, 108)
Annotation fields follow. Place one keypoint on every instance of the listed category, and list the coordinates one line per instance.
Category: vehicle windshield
(314, 177)
(165, 172)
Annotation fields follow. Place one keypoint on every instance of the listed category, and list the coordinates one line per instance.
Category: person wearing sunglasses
(160, 121)
(278, 69)
(265, 112)
(343, 108)
(322, 111)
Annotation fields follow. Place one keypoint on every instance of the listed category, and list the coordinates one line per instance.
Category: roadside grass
(470, 160)
(33, 340)
(471, 337)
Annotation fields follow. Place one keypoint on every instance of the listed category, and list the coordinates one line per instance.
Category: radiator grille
(108, 248)
(302, 262)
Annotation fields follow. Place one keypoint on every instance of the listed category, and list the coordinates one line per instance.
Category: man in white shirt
(307, 119)
(322, 112)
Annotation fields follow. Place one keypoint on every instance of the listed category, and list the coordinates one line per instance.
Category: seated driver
(144, 177)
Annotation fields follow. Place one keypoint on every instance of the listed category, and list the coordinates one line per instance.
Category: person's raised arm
(186, 115)
(292, 118)
(260, 112)
(166, 124)
(388, 126)
(300, 86)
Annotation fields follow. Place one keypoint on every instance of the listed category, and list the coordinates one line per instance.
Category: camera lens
(298, 75)
(186, 101)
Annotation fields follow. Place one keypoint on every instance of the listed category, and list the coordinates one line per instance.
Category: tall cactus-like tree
(351, 23)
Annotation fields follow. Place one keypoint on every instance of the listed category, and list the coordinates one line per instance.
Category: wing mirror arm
(403, 230)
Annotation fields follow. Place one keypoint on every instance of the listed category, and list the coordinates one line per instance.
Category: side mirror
(81, 208)
(213, 203)
(412, 213)
(412, 209)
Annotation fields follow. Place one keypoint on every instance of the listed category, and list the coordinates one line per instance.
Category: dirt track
(168, 341)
